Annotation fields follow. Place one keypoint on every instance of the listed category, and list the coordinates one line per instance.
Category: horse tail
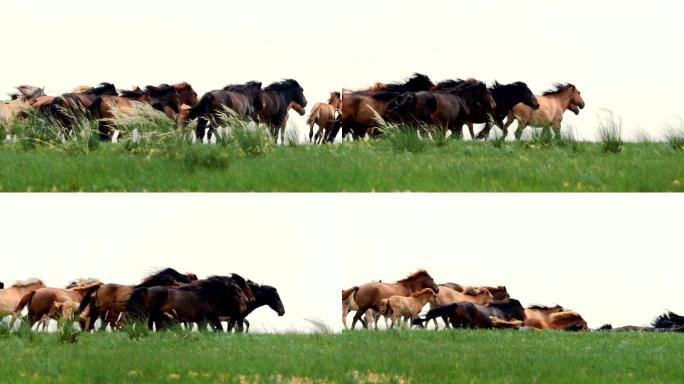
(87, 297)
(135, 306)
(25, 300)
(349, 292)
(94, 108)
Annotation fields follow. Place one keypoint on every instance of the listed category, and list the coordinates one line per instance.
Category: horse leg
(557, 130)
(519, 130)
(471, 130)
(357, 317)
(484, 133)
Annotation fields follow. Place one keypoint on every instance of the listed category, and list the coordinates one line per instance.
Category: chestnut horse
(566, 320)
(499, 293)
(108, 301)
(552, 105)
(325, 116)
(369, 295)
(10, 297)
(349, 305)
(360, 109)
(275, 101)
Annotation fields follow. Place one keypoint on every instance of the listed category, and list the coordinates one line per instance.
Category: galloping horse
(10, 297)
(263, 295)
(552, 105)
(408, 306)
(104, 108)
(360, 109)
(499, 293)
(243, 99)
(507, 314)
(566, 320)
(506, 97)
(41, 301)
(349, 305)
(448, 295)
(325, 116)
(275, 101)
(108, 301)
(69, 105)
(369, 295)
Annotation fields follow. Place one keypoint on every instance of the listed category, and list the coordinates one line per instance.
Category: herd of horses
(460, 306)
(447, 106)
(163, 299)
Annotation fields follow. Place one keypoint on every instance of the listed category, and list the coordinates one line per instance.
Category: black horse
(2, 285)
(275, 102)
(263, 295)
(243, 99)
(506, 97)
(69, 106)
(202, 302)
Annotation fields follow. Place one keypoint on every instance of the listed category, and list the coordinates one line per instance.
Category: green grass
(411, 356)
(382, 165)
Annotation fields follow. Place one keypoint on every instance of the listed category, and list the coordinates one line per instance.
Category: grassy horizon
(349, 357)
(398, 163)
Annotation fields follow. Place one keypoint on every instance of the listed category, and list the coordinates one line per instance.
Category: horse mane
(30, 91)
(565, 316)
(182, 86)
(415, 275)
(102, 88)
(506, 304)
(423, 292)
(161, 89)
(668, 320)
(282, 86)
(416, 83)
(164, 276)
(558, 88)
(82, 89)
(27, 282)
(448, 84)
(133, 93)
(81, 282)
(544, 307)
(241, 88)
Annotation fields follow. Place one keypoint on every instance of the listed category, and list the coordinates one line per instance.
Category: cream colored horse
(409, 306)
(552, 105)
(10, 297)
(324, 115)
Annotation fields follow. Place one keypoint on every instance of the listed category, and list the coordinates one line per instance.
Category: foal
(410, 306)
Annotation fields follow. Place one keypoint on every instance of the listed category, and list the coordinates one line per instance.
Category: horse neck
(565, 97)
(504, 99)
(422, 300)
(409, 286)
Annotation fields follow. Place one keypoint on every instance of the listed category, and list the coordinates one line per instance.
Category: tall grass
(674, 134)
(610, 132)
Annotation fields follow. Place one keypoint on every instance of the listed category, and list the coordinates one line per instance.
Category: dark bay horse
(243, 99)
(108, 301)
(506, 314)
(104, 108)
(506, 97)
(66, 107)
(263, 295)
(370, 295)
(276, 99)
(202, 302)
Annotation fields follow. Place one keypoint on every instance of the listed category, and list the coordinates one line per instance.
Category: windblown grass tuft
(610, 132)
(675, 136)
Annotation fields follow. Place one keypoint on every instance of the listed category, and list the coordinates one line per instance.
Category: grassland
(371, 357)
(360, 166)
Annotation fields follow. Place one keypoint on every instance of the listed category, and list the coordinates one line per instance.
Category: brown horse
(360, 109)
(10, 297)
(41, 301)
(242, 99)
(566, 320)
(369, 295)
(325, 116)
(499, 293)
(108, 301)
(408, 306)
(448, 295)
(186, 93)
(106, 108)
(275, 102)
(349, 305)
(68, 106)
(552, 106)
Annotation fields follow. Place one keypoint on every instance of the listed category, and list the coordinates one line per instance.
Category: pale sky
(613, 257)
(621, 55)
